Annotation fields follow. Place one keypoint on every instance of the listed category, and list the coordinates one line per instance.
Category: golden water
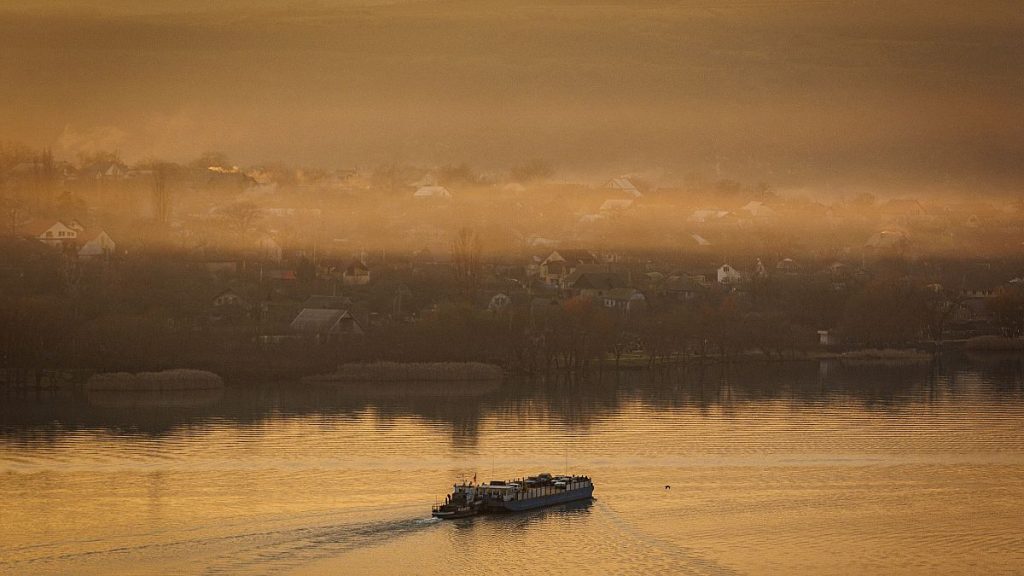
(788, 469)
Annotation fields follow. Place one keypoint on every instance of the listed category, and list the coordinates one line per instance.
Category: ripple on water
(923, 478)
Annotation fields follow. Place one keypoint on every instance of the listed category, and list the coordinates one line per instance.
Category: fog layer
(893, 97)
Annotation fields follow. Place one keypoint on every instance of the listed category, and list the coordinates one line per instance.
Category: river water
(787, 469)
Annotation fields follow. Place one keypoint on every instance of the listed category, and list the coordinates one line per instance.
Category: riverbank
(166, 380)
(642, 361)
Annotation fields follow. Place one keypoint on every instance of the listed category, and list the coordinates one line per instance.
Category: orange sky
(803, 93)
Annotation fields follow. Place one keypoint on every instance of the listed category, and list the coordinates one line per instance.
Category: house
(115, 170)
(51, 232)
(979, 286)
(356, 274)
(595, 285)
(560, 264)
(787, 266)
(705, 215)
(227, 298)
(828, 338)
(758, 210)
(903, 211)
(323, 325)
(616, 205)
(592, 218)
(269, 249)
(626, 300)
(228, 305)
(684, 287)
(432, 192)
(499, 302)
(94, 243)
(700, 240)
(623, 185)
(888, 240)
(760, 272)
(87, 243)
(728, 275)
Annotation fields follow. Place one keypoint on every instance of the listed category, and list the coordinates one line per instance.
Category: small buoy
(667, 487)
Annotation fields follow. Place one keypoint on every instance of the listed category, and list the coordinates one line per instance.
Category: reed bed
(411, 371)
(180, 379)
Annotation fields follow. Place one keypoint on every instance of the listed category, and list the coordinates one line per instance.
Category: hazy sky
(813, 93)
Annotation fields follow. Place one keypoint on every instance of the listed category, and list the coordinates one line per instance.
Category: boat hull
(446, 515)
(542, 501)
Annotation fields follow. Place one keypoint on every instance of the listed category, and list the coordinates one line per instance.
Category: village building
(684, 287)
(71, 235)
(616, 205)
(787, 266)
(708, 215)
(432, 192)
(595, 285)
(324, 325)
(50, 232)
(228, 306)
(560, 265)
(499, 302)
(624, 186)
(727, 275)
(356, 274)
(627, 301)
(94, 244)
(889, 240)
(700, 240)
(269, 249)
(758, 210)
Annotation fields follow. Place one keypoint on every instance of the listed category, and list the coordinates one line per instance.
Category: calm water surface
(786, 469)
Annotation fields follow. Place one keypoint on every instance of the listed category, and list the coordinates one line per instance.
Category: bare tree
(241, 215)
(466, 251)
(161, 196)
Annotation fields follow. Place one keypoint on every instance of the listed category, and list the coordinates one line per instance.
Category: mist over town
(519, 287)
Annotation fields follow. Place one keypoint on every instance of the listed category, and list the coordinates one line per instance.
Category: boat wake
(685, 560)
(240, 549)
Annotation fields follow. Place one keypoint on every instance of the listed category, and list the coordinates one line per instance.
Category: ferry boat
(468, 499)
(462, 502)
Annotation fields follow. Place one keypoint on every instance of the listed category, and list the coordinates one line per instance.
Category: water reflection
(574, 403)
(802, 462)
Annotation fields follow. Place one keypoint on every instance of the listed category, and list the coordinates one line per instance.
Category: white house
(356, 274)
(560, 264)
(757, 209)
(434, 192)
(623, 185)
(94, 243)
(51, 232)
(88, 243)
(616, 205)
(729, 275)
(706, 215)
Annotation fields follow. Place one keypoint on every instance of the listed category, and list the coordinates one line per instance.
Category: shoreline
(233, 374)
